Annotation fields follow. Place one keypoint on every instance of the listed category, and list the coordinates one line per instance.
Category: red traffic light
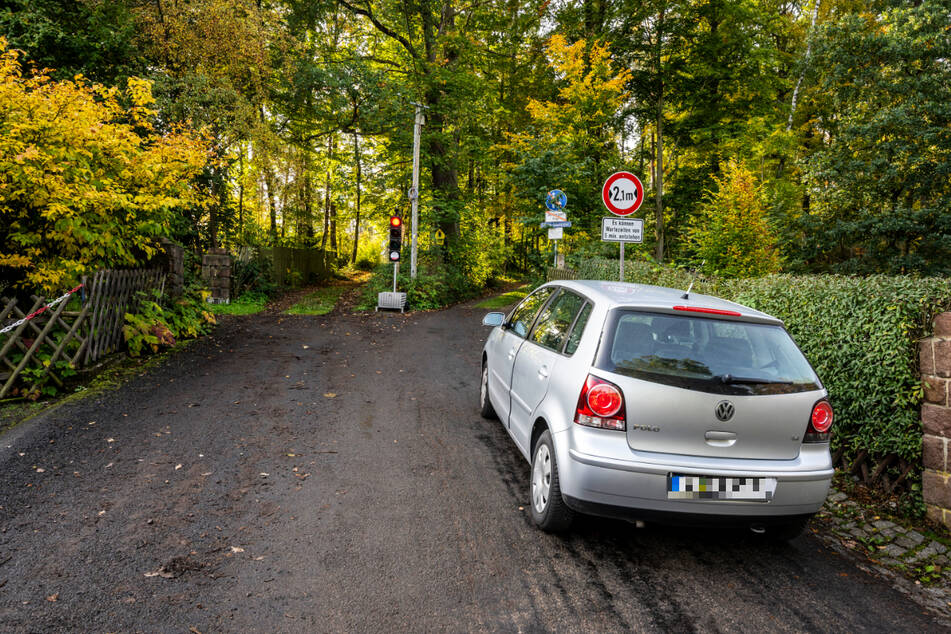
(396, 221)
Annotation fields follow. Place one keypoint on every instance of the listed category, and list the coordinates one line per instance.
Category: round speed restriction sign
(622, 193)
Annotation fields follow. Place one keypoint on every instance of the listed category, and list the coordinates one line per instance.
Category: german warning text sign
(622, 229)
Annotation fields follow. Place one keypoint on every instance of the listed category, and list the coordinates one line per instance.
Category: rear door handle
(720, 435)
(543, 372)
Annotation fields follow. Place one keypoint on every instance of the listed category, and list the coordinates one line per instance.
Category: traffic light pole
(396, 269)
(414, 198)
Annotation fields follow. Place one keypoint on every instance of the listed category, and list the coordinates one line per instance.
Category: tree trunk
(659, 184)
(333, 226)
(330, 153)
(272, 209)
(241, 194)
(356, 223)
(308, 199)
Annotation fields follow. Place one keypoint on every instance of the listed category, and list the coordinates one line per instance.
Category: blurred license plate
(690, 487)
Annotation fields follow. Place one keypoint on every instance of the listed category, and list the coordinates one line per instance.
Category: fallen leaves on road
(237, 549)
(53, 598)
(178, 466)
(330, 395)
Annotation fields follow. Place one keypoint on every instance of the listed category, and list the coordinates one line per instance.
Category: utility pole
(414, 190)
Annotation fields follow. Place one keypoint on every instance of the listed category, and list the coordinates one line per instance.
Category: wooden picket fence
(30, 353)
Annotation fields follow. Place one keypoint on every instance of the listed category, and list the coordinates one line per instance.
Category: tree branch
(382, 28)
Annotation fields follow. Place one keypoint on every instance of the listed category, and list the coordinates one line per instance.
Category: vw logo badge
(724, 410)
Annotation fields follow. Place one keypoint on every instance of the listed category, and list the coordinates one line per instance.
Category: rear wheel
(485, 404)
(549, 511)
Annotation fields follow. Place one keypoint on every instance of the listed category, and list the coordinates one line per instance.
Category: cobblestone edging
(912, 553)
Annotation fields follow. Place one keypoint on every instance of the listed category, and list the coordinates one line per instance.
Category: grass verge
(500, 301)
(319, 302)
(247, 304)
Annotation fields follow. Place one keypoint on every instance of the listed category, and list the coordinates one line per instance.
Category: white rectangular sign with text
(622, 229)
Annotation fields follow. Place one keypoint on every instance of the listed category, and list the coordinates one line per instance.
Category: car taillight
(601, 404)
(820, 422)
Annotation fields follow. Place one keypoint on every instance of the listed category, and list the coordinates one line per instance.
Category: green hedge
(860, 334)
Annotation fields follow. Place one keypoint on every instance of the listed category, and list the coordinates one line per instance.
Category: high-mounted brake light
(820, 422)
(601, 404)
(709, 311)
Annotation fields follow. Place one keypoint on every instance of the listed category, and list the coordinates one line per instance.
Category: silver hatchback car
(647, 403)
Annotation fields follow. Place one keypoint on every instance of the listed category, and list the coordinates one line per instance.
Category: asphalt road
(309, 474)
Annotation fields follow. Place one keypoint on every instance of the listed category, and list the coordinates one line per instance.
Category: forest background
(795, 136)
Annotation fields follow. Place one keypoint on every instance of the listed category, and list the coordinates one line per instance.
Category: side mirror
(493, 319)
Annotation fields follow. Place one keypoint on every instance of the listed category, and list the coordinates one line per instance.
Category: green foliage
(153, 326)
(881, 182)
(252, 275)
(85, 179)
(434, 287)
(731, 233)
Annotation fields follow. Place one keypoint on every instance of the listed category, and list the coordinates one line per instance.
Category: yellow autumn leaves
(86, 179)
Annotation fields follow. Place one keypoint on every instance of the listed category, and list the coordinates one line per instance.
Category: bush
(433, 288)
(153, 326)
(252, 275)
(86, 180)
(731, 233)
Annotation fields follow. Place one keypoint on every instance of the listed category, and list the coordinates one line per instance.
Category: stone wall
(216, 273)
(171, 259)
(936, 420)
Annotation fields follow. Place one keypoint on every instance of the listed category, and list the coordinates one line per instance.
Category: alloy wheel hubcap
(541, 478)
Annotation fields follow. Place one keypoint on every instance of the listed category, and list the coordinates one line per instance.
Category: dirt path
(332, 473)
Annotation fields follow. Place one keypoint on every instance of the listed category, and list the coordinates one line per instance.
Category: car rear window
(706, 354)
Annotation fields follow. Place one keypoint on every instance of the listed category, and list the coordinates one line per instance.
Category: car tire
(787, 531)
(485, 403)
(548, 508)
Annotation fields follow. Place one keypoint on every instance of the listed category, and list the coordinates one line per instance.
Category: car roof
(660, 298)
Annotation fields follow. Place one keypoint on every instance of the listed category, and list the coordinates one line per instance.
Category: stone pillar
(935, 355)
(216, 272)
(171, 259)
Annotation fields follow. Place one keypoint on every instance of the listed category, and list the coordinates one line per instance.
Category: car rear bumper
(619, 482)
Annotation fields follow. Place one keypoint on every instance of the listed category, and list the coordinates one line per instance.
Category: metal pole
(556, 254)
(622, 263)
(396, 268)
(415, 201)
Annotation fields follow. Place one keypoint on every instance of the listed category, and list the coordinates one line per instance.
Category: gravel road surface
(311, 474)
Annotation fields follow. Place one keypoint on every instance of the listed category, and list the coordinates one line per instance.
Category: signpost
(622, 194)
(555, 217)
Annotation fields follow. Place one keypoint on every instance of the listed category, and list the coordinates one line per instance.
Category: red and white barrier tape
(39, 311)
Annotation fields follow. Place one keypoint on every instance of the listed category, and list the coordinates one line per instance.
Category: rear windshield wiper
(729, 378)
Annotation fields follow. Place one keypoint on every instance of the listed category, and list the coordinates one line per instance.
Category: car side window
(524, 313)
(555, 320)
(578, 329)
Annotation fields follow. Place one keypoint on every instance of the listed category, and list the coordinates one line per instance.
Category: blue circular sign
(556, 200)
